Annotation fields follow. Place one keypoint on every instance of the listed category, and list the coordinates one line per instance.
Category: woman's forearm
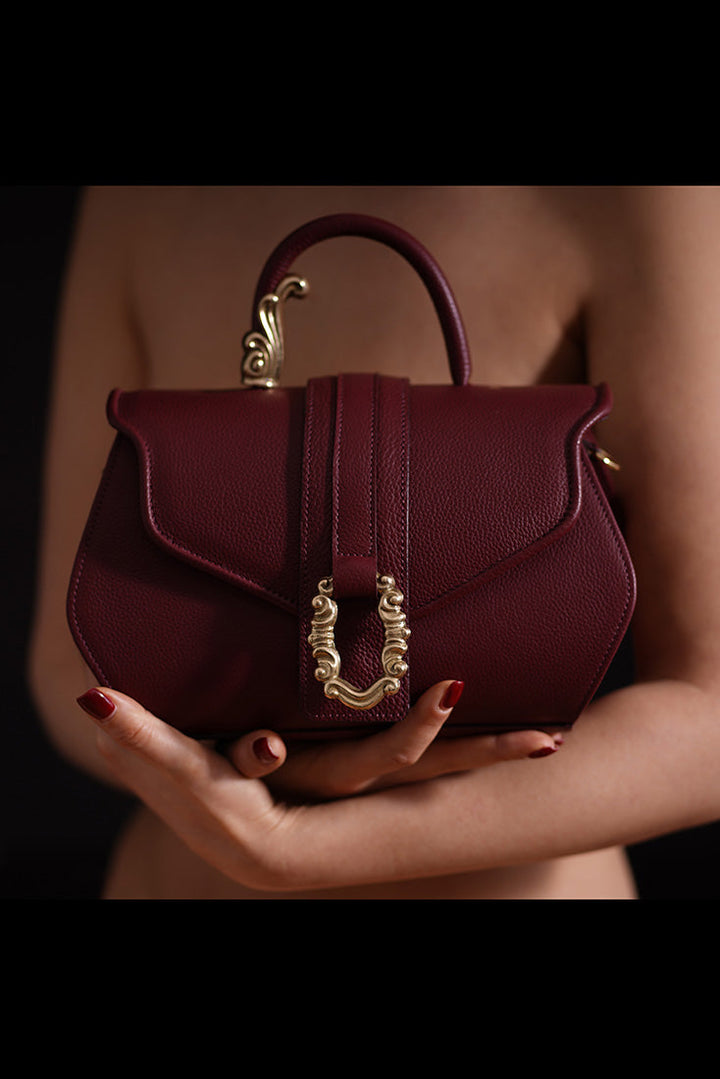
(641, 762)
(54, 683)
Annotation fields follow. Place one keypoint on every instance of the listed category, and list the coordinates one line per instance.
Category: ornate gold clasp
(322, 639)
(264, 351)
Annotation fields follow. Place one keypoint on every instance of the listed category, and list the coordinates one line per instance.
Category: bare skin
(555, 285)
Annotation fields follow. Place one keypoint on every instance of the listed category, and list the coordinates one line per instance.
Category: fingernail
(544, 752)
(96, 704)
(453, 694)
(263, 752)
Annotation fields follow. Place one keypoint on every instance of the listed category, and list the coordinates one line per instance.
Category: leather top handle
(374, 228)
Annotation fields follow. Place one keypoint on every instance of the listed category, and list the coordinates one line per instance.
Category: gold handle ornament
(264, 351)
(322, 640)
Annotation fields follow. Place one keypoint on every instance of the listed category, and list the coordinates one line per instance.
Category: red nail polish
(96, 704)
(263, 752)
(452, 695)
(545, 752)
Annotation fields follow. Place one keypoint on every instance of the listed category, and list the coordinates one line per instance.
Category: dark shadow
(57, 824)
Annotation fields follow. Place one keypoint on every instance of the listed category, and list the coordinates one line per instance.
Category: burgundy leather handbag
(313, 558)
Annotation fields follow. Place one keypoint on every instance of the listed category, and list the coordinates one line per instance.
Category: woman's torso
(521, 262)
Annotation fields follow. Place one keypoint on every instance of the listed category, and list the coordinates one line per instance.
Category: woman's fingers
(343, 768)
(403, 744)
(134, 734)
(442, 756)
(229, 820)
(408, 752)
(129, 733)
(465, 753)
(255, 755)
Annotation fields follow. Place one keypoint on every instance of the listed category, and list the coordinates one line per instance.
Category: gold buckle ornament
(322, 640)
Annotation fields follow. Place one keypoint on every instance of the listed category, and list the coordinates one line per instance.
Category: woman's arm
(96, 349)
(646, 763)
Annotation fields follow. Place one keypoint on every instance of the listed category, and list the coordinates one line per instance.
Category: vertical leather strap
(354, 546)
(392, 481)
(315, 527)
(354, 519)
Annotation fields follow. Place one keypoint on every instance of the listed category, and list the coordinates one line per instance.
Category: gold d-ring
(322, 639)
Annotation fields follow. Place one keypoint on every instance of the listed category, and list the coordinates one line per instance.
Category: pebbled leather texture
(354, 490)
(220, 511)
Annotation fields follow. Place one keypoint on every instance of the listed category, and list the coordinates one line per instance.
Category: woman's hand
(219, 808)
(218, 805)
(407, 752)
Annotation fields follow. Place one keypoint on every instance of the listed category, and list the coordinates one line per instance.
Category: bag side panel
(196, 651)
(533, 644)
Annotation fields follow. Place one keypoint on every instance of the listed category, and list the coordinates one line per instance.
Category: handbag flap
(220, 475)
(494, 475)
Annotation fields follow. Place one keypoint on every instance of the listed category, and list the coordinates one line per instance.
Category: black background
(57, 824)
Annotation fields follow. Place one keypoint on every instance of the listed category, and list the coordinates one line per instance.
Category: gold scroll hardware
(322, 640)
(264, 351)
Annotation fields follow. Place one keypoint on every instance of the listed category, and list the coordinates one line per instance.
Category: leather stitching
(339, 479)
(180, 547)
(80, 566)
(304, 526)
(594, 486)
